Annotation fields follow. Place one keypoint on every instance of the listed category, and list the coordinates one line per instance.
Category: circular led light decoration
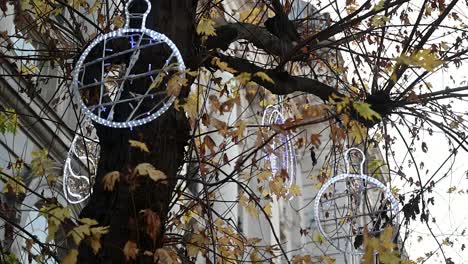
(349, 204)
(80, 167)
(116, 83)
(283, 156)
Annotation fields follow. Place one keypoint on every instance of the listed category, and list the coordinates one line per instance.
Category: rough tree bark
(166, 137)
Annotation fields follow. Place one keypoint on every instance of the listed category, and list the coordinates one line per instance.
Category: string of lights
(348, 205)
(109, 90)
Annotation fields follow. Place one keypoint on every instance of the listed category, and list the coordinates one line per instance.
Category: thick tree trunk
(166, 138)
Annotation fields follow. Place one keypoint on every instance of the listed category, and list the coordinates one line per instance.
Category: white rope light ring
(156, 36)
(272, 115)
(388, 196)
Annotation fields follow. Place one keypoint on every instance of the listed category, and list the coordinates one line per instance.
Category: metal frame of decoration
(83, 158)
(158, 38)
(352, 215)
(272, 116)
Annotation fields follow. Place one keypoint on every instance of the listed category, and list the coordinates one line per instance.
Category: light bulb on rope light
(342, 215)
(80, 167)
(139, 38)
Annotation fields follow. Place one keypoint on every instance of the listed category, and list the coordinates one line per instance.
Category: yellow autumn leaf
(139, 145)
(243, 78)
(264, 175)
(357, 131)
(146, 169)
(71, 257)
(253, 16)
(96, 6)
(241, 126)
(206, 27)
(264, 77)
(364, 109)
(41, 164)
(14, 184)
(95, 239)
(162, 255)
(424, 58)
(222, 65)
(252, 210)
(119, 21)
(110, 179)
(79, 233)
(295, 190)
(29, 69)
(55, 215)
(130, 250)
(277, 187)
(268, 209)
(175, 84)
(379, 20)
(196, 244)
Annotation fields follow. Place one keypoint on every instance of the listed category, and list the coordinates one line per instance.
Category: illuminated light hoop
(273, 116)
(158, 38)
(349, 178)
(85, 158)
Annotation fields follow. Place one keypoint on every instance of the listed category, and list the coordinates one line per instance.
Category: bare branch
(284, 83)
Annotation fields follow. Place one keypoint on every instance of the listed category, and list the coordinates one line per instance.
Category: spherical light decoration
(80, 167)
(115, 81)
(349, 204)
(280, 150)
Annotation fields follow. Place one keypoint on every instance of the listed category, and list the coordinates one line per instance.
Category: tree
(378, 58)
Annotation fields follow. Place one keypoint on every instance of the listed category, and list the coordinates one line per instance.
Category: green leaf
(41, 164)
(424, 58)
(8, 121)
(365, 110)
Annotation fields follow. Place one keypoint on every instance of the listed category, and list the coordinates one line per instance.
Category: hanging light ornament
(80, 167)
(283, 156)
(349, 204)
(107, 99)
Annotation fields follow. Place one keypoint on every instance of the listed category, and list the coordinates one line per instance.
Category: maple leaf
(55, 215)
(146, 169)
(365, 110)
(96, 6)
(139, 145)
(162, 255)
(209, 142)
(153, 223)
(241, 126)
(379, 20)
(41, 164)
(175, 84)
(268, 209)
(119, 21)
(315, 140)
(264, 175)
(110, 179)
(196, 244)
(295, 190)
(80, 232)
(130, 250)
(252, 210)
(223, 66)
(424, 58)
(206, 27)
(71, 257)
(95, 239)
